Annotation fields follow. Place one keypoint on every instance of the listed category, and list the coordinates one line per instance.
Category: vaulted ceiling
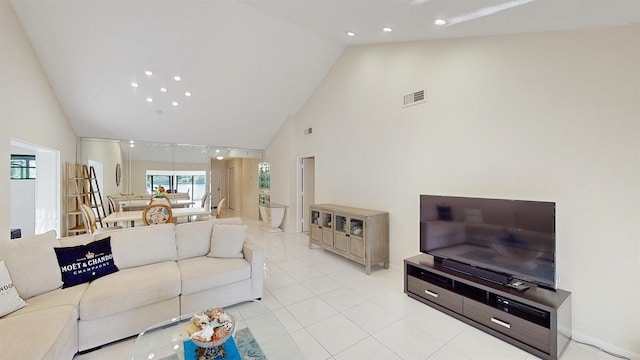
(247, 65)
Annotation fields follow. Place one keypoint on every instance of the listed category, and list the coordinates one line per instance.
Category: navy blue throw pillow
(444, 213)
(83, 263)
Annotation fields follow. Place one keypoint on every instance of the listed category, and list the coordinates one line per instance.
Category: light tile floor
(333, 310)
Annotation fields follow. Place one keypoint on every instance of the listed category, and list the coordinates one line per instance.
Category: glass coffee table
(165, 341)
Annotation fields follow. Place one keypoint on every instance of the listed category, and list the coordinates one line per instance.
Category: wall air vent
(414, 98)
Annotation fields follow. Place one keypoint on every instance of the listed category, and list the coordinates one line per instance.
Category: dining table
(140, 204)
(131, 217)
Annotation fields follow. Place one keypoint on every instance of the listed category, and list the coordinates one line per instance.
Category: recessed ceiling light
(148, 72)
(177, 78)
(187, 93)
(387, 29)
(217, 151)
(175, 103)
(351, 34)
(134, 84)
(440, 22)
(149, 99)
(163, 89)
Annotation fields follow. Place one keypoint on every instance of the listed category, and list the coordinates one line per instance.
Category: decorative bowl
(213, 343)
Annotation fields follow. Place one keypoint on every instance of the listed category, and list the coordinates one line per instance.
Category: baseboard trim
(396, 268)
(607, 347)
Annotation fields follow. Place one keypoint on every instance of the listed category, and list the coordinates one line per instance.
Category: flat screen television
(509, 237)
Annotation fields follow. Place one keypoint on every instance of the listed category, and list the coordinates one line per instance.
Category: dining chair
(113, 206)
(157, 214)
(89, 218)
(219, 207)
(205, 203)
(206, 200)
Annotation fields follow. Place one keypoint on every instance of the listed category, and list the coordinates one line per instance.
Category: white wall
(283, 157)
(552, 116)
(48, 191)
(28, 107)
(23, 206)
(109, 153)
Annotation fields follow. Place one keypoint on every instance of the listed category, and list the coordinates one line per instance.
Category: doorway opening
(35, 203)
(306, 195)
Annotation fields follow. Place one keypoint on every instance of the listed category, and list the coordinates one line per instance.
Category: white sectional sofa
(164, 271)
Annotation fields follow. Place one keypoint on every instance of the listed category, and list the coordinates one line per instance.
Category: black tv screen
(512, 237)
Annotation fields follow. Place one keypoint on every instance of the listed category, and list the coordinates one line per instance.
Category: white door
(216, 180)
(231, 189)
(308, 189)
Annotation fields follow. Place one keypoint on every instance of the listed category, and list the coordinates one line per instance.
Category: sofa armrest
(254, 254)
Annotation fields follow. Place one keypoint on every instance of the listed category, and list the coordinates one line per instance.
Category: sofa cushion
(130, 288)
(10, 301)
(193, 239)
(55, 338)
(76, 240)
(143, 245)
(58, 297)
(84, 263)
(32, 263)
(204, 273)
(227, 241)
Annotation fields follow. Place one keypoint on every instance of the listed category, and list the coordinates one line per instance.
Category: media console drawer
(435, 294)
(515, 327)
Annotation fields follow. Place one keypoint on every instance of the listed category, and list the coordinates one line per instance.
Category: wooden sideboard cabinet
(360, 235)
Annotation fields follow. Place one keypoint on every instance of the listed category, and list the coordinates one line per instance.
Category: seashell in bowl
(214, 332)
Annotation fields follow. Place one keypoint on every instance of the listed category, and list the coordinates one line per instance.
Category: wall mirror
(132, 167)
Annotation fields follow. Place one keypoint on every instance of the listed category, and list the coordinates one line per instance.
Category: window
(195, 182)
(192, 182)
(153, 181)
(23, 167)
(264, 176)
